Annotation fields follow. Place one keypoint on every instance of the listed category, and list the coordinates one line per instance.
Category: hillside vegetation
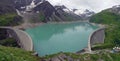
(10, 19)
(112, 32)
(11, 52)
(101, 56)
(15, 54)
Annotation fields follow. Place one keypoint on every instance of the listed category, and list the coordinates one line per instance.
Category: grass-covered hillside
(15, 54)
(12, 52)
(112, 21)
(105, 17)
(10, 19)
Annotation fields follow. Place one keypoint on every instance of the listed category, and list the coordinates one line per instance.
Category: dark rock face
(46, 8)
(67, 15)
(6, 38)
(21, 3)
(55, 13)
(61, 57)
(24, 3)
(7, 6)
(3, 34)
(8, 10)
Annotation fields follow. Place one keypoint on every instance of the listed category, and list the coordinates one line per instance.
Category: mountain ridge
(56, 13)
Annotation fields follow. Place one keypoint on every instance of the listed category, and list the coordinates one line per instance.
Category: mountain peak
(85, 13)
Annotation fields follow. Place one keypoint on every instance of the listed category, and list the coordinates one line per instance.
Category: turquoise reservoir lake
(54, 38)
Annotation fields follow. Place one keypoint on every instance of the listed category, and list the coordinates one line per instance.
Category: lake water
(54, 38)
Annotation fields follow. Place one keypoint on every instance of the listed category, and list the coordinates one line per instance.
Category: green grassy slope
(112, 31)
(10, 19)
(15, 54)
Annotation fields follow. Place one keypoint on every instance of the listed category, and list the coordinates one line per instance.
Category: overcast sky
(95, 5)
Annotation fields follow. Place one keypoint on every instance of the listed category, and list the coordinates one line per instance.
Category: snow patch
(32, 5)
(66, 10)
(79, 11)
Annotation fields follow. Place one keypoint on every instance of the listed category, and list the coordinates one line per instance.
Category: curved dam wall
(97, 36)
(22, 38)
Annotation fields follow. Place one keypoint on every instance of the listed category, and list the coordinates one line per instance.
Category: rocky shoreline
(61, 57)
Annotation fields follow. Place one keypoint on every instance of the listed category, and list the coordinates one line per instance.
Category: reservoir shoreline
(67, 23)
(32, 25)
(53, 23)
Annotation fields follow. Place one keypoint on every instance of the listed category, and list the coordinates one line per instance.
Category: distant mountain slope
(107, 16)
(47, 9)
(66, 13)
(56, 13)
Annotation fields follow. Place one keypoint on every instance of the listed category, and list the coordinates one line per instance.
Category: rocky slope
(97, 56)
(7, 6)
(66, 13)
(8, 14)
(61, 13)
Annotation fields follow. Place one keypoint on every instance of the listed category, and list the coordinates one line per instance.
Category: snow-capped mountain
(50, 12)
(55, 13)
(27, 4)
(65, 13)
(83, 13)
(63, 8)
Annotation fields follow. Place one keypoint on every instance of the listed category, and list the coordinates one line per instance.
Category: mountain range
(43, 11)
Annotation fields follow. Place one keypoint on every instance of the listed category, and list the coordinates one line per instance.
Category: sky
(94, 5)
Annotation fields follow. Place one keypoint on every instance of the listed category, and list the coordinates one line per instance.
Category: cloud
(95, 5)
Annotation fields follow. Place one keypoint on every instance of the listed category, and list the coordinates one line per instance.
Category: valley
(57, 32)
